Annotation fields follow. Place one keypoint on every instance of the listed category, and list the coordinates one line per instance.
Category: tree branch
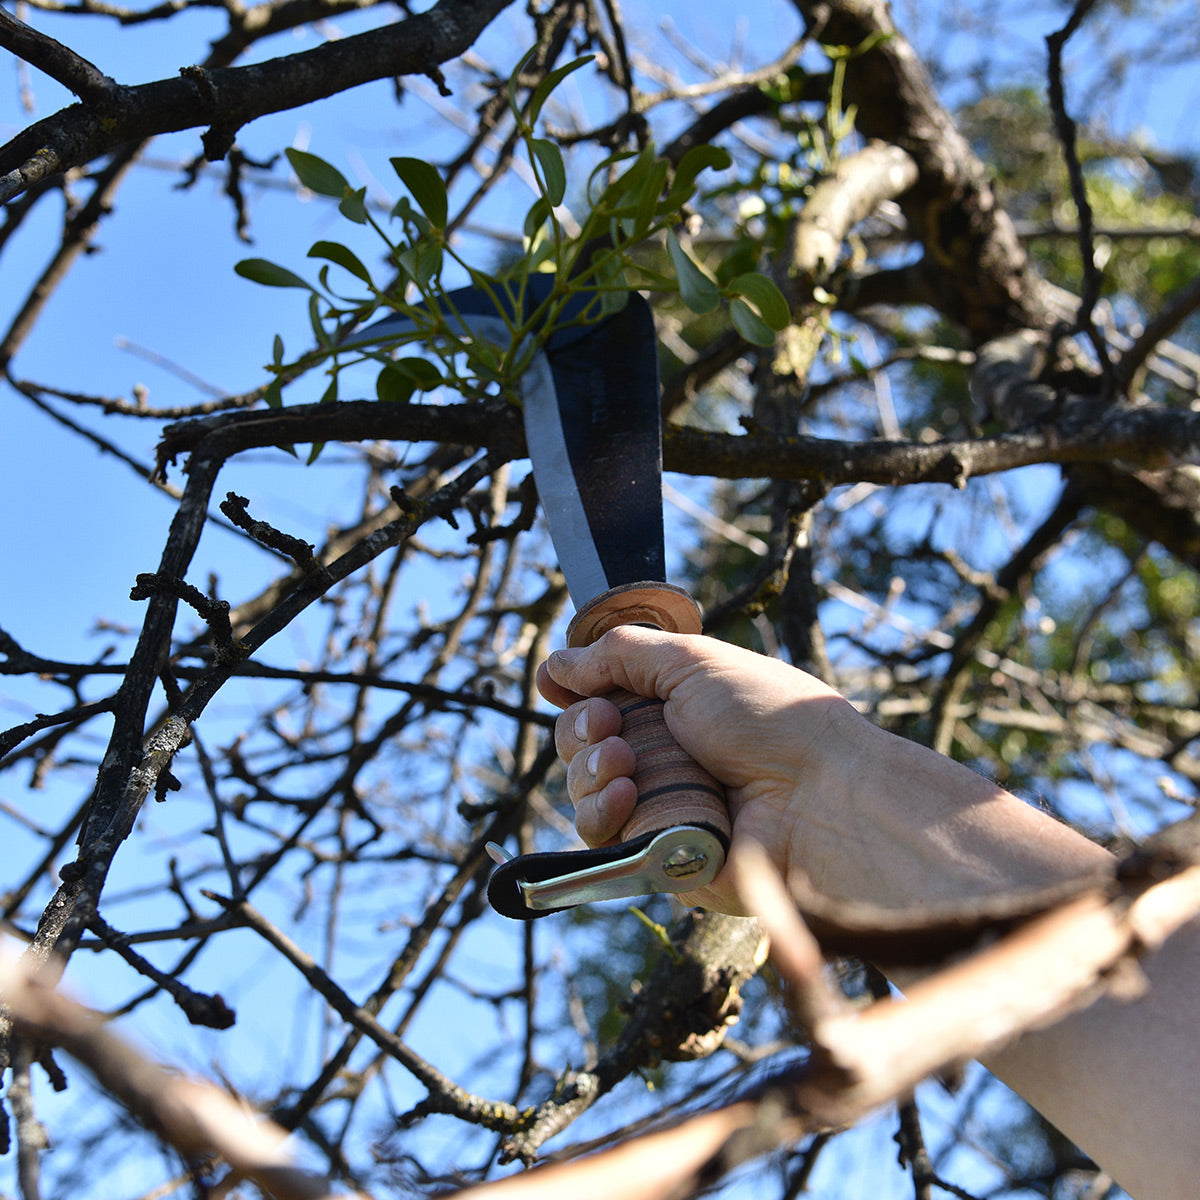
(193, 1116)
(682, 1012)
(88, 82)
(855, 187)
(974, 264)
(227, 98)
(1176, 310)
(450, 1097)
(1065, 127)
(1150, 436)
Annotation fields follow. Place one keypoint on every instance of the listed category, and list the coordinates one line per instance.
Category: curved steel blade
(593, 428)
(595, 440)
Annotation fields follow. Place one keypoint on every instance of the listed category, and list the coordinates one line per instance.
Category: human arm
(865, 815)
(871, 817)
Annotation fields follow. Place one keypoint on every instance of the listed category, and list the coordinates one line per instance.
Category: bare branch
(839, 201)
(445, 1095)
(190, 1115)
(58, 61)
(1147, 436)
(227, 98)
(1066, 134)
(683, 1011)
(1173, 313)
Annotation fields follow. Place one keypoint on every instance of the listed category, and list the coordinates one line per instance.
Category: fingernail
(568, 656)
(592, 762)
(581, 724)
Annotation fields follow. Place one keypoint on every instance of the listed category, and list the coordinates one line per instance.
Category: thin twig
(1066, 135)
(200, 1009)
(1168, 318)
(13, 737)
(215, 613)
(444, 1095)
(300, 552)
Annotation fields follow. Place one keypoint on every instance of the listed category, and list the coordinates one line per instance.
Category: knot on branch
(214, 613)
(218, 139)
(299, 551)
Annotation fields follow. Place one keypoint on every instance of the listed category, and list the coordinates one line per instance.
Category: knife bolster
(673, 789)
(658, 605)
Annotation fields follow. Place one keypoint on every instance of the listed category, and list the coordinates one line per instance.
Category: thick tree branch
(227, 98)
(1151, 437)
(838, 202)
(976, 271)
(850, 193)
(974, 262)
(88, 82)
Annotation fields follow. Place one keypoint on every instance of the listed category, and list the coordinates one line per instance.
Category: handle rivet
(684, 861)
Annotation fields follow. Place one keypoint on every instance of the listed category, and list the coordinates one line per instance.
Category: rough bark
(974, 264)
(974, 269)
(226, 98)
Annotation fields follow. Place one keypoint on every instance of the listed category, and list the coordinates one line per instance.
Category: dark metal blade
(592, 424)
(595, 439)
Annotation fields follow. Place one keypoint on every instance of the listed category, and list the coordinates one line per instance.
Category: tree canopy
(925, 281)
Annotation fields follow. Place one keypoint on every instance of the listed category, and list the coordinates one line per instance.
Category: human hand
(759, 726)
(867, 816)
(863, 814)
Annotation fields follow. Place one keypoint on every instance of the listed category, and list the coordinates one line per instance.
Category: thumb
(646, 661)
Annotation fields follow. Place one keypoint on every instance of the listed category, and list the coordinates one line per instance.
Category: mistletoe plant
(631, 199)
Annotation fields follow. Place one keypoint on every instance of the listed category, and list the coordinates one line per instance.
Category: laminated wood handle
(673, 789)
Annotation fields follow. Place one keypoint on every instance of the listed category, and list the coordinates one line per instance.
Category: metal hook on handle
(674, 860)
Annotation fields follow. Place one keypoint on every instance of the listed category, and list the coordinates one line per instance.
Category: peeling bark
(975, 267)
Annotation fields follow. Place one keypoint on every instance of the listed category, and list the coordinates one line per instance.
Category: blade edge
(562, 504)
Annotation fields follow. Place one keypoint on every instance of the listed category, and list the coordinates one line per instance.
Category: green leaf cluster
(414, 240)
(630, 200)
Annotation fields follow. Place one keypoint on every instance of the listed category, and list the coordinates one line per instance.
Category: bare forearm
(869, 817)
(1119, 1079)
(905, 827)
